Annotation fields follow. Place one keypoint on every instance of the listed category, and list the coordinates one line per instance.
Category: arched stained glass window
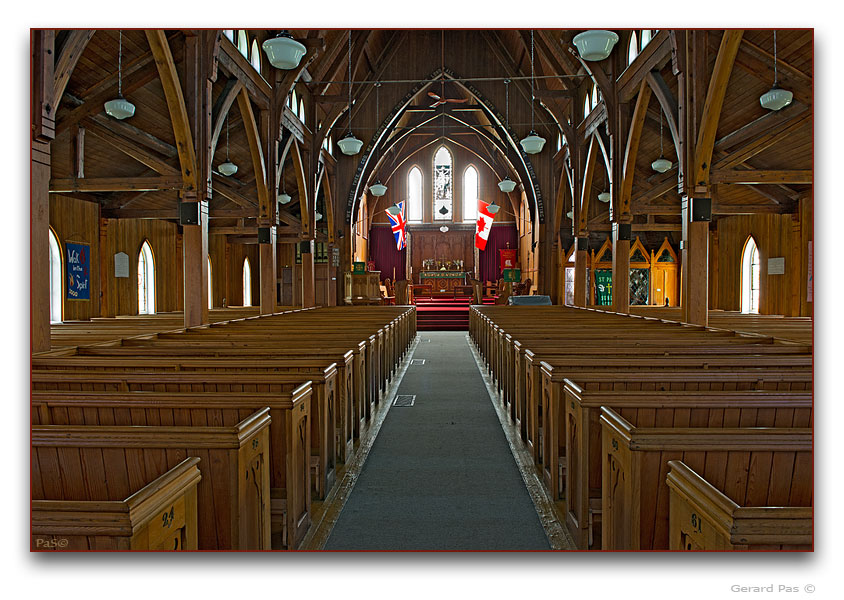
(632, 48)
(414, 194)
(443, 182)
(247, 283)
(255, 57)
(146, 280)
(470, 194)
(750, 270)
(243, 43)
(55, 279)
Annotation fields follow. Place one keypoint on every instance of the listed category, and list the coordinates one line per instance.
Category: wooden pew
(703, 517)
(289, 455)
(218, 376)
(580, 433)
(635, 455)
(232, 497)
(159, 516)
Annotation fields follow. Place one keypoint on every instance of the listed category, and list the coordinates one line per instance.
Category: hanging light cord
(377, 117)
(120, 63)
(227, 138)
(660, 132)
(775, 58)
(532, 75)
(507, 113)
(350, 81)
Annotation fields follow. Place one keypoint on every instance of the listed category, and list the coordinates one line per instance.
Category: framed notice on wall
(508, 259)
(78, 271)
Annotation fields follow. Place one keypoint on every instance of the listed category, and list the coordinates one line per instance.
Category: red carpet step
(442, 314)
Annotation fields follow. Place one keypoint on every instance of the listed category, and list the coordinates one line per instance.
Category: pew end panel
(701, 517)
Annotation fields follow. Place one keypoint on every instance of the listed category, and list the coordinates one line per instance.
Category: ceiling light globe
(506, 185)
(776, 98)
(283, 51)
(119, 108)
(661, 165)
(596, 44)
(350, 145)
(227, 168)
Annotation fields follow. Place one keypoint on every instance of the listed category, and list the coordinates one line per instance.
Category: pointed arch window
(146, 280)
(443, 185)
(255, 57)
(750, 270)
(632, 48)
(301, 112)
(210, 287)
(586, 108)
(55, 279)
(414, 195)
(229, 33)
(647, 36)
(330, 146)
(470, 194)
(595, 96)
(247, 283)
(243, 43)
(294, 102)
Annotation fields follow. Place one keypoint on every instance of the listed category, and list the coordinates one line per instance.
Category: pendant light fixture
(120, 107)
(227, 168)
(533, 143)
(776, 98)
(378, 189)
(283, 51)
(570, 215)
(283, 197)
(595, 45)
(349, 144)
(604, 197)
(507, 185)
(662, 164)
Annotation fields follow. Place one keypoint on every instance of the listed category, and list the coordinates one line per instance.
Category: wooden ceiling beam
(176, 105)
(71, 51)
(631, 150)
(258, 165)
(130, 149)
(169, 214)
(221, 110)
(116, 184)
(715, 94)
(757, 176)
(237, 66)
(222, 185)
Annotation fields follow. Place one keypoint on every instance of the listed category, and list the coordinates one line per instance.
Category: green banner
(603, 287)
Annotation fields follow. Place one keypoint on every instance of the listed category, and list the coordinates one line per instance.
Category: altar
(442, 280)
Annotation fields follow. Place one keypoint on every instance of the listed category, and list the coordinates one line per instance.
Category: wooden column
(580, 259)
(621, 267)
(267, 256)
(694, 260)
(197, 108)
(43, 131)
(308, 290)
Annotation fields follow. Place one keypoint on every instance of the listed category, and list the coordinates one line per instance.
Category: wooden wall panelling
(775, 236)
(78, 221)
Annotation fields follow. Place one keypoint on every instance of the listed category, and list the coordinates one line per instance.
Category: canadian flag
(486, 215)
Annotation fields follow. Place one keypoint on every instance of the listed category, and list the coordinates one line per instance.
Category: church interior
(422, 289)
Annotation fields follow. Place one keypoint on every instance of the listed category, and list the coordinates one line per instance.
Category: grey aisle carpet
(440, 475)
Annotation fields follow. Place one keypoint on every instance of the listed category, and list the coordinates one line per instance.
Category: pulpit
(363, 288)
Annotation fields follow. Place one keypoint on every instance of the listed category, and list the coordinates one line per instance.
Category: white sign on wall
(776, 266)
(121, 264)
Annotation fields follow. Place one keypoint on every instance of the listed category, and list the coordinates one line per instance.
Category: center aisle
(440, 475)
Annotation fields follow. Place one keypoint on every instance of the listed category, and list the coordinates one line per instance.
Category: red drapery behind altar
(499, 236)
(382, 250)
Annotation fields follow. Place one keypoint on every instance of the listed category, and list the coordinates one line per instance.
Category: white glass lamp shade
(378, 189)
(661, 165)
(350, 145)
(119, 108)
(493, 209)
(283, 51)
(532, 144)
(570, 215)
(776, 98)
(506, 185)
(596, 44)
(444, 228)
(227, 168)
(394, 210)
(284, 198)
(604, 197)
(317, 216)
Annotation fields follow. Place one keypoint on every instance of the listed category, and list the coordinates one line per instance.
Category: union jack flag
(399, 227)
